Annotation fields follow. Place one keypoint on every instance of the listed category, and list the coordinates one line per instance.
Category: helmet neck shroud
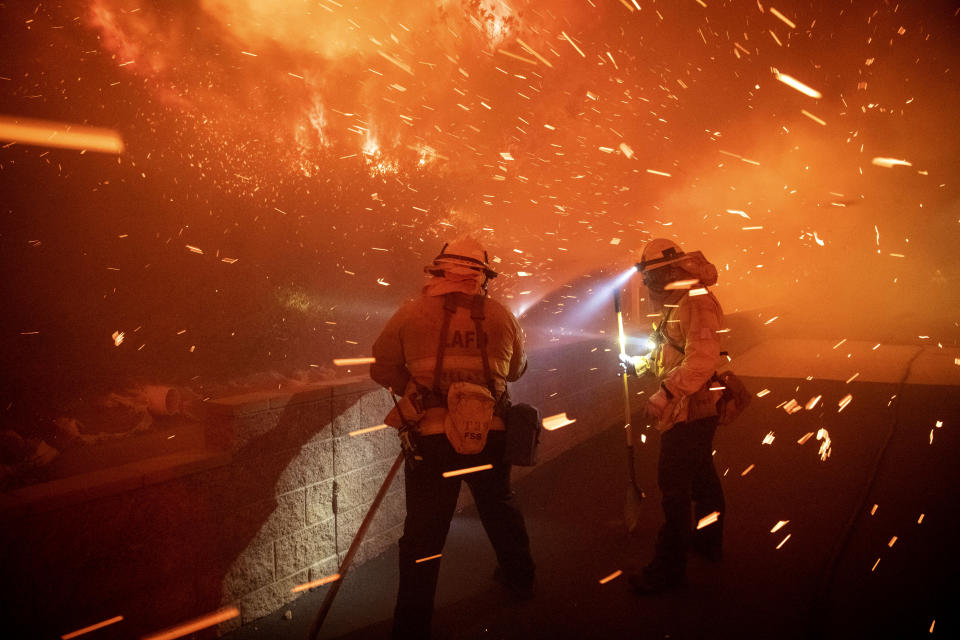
(456, 257)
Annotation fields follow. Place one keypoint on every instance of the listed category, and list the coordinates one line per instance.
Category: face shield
(658, 279)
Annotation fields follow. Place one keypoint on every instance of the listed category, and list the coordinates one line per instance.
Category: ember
(224, 201)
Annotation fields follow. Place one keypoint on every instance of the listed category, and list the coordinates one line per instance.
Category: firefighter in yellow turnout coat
(451, 352)
(684, 408)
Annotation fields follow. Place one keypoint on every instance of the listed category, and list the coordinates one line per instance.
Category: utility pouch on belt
(469, 416)
(523, 423)
(735, 397)
(406, 413)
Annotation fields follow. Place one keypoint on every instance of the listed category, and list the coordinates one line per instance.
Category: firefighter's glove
(636, 365)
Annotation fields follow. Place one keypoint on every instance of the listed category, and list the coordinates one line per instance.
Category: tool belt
(430, 400)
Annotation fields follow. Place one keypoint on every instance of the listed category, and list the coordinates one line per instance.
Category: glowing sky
(290, 165)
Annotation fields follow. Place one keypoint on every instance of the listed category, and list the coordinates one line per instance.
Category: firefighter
(450, 353)
(684, 359)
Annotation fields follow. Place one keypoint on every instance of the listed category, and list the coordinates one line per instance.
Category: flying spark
(889, 163)
(816, 119)
(551, 423)
(194, 625)
(612, 576)
(847, 399)
(680, 284)
(708, 520)
(573, 44)
(460, 472)
(316, 583)
(93, 627)
(429, 558)
(531, 51)
(46, 133)
(350, 362)
(782, 17)
(825, 446)
(360, 432)
(793, 83)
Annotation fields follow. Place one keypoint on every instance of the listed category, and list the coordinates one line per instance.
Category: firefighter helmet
(462, 255)
(659, 252)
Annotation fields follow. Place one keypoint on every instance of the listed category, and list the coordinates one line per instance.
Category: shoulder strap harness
(477, 314)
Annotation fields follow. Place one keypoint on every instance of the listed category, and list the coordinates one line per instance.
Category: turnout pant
(685, 475)
(431, 501)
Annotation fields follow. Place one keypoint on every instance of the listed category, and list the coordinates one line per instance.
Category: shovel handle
(352, 550)
(627, 414)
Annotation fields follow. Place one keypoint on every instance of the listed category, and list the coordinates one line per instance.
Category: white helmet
(659, 253)
(463, 255)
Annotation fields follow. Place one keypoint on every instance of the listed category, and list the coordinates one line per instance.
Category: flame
(495, 19)
(370, 147)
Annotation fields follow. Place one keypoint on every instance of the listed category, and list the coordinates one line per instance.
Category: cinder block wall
(273, 500)
(296, 450)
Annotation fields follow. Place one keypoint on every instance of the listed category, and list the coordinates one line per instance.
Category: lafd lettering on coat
(464, 339)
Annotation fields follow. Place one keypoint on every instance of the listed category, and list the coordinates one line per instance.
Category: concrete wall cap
(56, 494)
(245, 403)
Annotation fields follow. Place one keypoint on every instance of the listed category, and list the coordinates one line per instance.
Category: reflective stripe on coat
(691, 324)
